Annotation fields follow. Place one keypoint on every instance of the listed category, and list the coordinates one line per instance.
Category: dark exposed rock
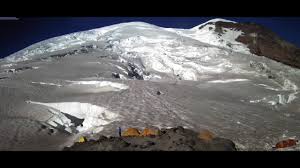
(51, 131)
(116, 75)
(258, 66)
(43, 126)
(103, 56)
(271, 76)
(58, 55)
(19, 69)
(263, 42)
(11, 70)
(75, 120)
(82, 49)
(134, 72)
(229, 45)
(23, 68)
(91, 46)
(174, 139)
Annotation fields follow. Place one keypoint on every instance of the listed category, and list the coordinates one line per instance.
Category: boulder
(116, 75)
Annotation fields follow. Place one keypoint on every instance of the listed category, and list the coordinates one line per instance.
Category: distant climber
(120, 132)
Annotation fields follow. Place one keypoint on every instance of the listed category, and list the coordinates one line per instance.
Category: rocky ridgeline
(264, 42)
(173, 139)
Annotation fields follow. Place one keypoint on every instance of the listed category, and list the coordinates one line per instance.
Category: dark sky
(18, 34)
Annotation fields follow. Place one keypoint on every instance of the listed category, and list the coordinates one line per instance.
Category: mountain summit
(242, 37)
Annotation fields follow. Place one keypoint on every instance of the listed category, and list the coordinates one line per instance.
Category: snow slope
(132, 30)
(164, 50)
(180, 54)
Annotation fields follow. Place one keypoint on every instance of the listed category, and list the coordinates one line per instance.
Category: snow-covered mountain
(132, 32)
(219, 75)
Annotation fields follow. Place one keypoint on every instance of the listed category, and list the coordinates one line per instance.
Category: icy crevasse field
(90, 83)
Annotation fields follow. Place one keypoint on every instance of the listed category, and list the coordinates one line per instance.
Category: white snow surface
(7, 65)
(95, 117)
(212, 21)
(44, 83)
(164, 50)
(292, 97)
(228, 81)
(268, 87)
(101, 84)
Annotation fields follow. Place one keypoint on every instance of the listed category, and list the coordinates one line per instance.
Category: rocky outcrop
(135, 72)
(263, 42)
(116, 75)
(81, 50)
(19, 69)
(174, 139)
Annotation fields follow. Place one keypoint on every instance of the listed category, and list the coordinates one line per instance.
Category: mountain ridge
(241, 38)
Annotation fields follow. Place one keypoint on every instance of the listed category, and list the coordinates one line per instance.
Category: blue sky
(18, 34)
